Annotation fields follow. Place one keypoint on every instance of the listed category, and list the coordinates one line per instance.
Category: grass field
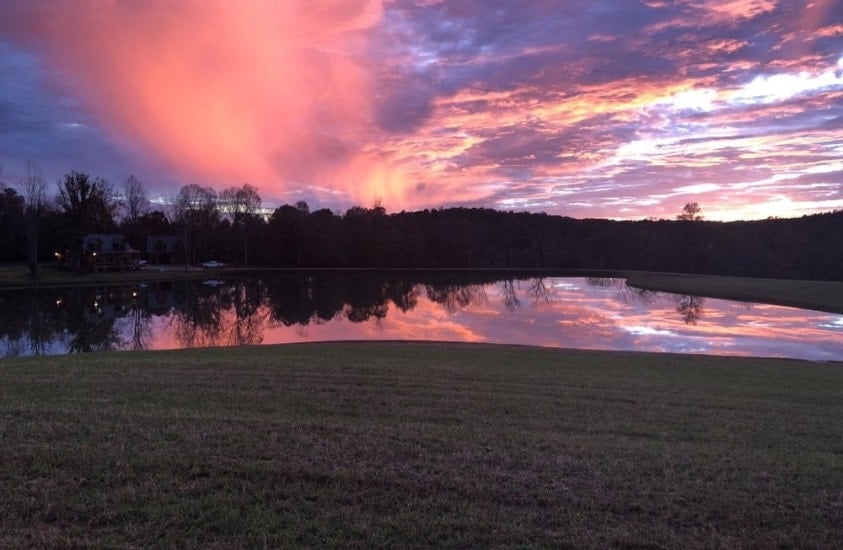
(816, 295)
(410, 444)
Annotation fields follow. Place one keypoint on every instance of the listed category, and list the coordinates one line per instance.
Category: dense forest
(230, 227)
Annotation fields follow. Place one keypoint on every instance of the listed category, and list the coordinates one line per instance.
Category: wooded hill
(810, 247)
(807, 248)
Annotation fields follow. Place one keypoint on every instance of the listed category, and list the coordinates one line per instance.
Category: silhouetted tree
(690, 213)
(88, 206)
(321, 231)
(12, 223)
(135, 200)
(195, 210)
(285, 232)
(34, 192)
(242, 204)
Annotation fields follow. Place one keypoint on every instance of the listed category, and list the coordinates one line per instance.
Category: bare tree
(135, 199)
(242, 204)
(195, 208)
(690, 213)
(34, 192)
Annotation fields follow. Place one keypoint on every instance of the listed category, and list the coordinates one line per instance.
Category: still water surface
(566, 312)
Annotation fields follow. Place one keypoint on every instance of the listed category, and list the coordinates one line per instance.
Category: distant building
(166, 249)
(108, 252)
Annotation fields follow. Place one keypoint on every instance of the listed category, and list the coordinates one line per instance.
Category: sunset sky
(586, 108)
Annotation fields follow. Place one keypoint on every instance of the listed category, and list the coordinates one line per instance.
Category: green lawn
(405, 444)
(816, 295)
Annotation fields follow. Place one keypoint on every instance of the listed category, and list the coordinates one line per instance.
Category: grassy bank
(390, 444)
(16, 276)
(816, 295)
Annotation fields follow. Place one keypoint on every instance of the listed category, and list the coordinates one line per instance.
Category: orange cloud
(428, 103)
(275, 93)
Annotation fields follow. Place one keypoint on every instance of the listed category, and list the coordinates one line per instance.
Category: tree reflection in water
(223, 313)
(239, 311)
(456, 297)
(141, 328)
(247, 296)
(510, 296)
(32, 326)
(624, 292)
(690, 307)
(91, 316)
(366, 299)
(540, 291)
(196, 322)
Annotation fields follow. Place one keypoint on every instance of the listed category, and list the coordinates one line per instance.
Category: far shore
(824, 296)
(816, 295)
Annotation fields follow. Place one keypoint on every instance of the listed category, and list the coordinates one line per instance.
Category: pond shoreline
(826, 296)
(15, 277)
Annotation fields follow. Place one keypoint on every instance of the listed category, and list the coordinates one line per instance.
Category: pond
(570, 312)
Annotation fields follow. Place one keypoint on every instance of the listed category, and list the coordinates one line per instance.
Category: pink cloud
(736, 9)
(275, 93)
(436, 103)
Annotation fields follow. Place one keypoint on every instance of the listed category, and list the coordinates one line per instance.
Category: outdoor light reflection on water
(556, 312)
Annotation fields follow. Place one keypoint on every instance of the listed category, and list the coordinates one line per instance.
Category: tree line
(228, 226)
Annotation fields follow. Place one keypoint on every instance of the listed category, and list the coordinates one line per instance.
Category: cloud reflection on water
(556, 312)
(571, 313)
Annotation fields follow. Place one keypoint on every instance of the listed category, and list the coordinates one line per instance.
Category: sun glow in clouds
(781, 87)
(263, 91)
(618, 109)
